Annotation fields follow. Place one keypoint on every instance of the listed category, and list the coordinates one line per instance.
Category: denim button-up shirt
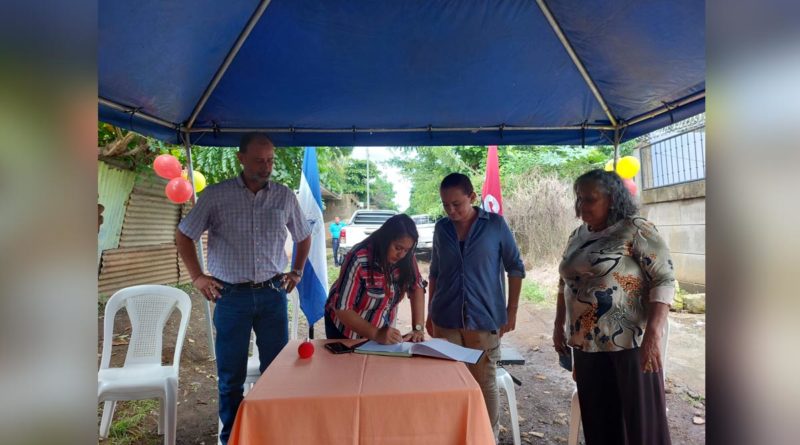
(469, 292)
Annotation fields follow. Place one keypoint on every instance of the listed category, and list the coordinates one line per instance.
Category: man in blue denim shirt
(471, 250)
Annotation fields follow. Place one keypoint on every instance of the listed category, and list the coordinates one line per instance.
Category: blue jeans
(236, 313)
(335, 245)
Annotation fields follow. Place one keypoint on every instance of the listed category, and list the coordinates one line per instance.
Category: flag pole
(295, 314)
(492, 198)
(187, 146)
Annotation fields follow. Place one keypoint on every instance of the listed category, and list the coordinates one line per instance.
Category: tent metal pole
(228, 60)
(145, 116)
(350, 130)
(209, 324)
(560, 34)
(617, 136)
(666, 108)
(295, 298)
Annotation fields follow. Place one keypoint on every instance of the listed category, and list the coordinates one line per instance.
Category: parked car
(425, 225)
(360, 225)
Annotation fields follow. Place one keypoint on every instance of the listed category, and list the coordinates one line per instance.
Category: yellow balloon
(609, 166)
(199, 180)
(627, 167)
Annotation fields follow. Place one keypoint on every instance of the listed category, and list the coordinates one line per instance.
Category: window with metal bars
(675, 159)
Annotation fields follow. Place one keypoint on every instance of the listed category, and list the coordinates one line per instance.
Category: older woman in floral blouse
(616, 286)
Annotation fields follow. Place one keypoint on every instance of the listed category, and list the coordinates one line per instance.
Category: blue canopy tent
(407, 73)
(414, 72)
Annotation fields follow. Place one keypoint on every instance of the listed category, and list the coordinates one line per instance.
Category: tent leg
(209, 323)
(295, 315)
(617, 136)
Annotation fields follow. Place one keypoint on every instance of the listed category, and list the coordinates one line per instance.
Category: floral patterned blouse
(607, 280)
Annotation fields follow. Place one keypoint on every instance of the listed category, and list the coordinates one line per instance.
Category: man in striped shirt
(247, 218)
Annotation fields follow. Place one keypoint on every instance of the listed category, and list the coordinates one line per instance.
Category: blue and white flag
(313, 287)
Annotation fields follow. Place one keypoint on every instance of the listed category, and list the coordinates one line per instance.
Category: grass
(186, 287)
(696, 400)
(533, 292)
(101, 303)
(128, 425)
(333, 271)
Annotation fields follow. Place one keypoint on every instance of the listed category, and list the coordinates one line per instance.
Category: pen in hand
(388, 335)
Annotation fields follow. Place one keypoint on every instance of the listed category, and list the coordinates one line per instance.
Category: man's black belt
(272, 283)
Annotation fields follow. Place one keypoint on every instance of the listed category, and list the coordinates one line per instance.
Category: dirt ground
(543, 399)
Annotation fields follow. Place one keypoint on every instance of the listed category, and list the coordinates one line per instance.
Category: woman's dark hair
(379, 241)
(457, 180)
(621, 204)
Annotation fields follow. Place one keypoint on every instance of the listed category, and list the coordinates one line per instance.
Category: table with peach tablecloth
(357, 399)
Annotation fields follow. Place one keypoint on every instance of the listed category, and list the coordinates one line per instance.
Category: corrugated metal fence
(113, 188)
(146, 252)
(183, 274)
(150, 218)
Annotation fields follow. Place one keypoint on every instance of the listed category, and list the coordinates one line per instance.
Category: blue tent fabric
(416, 72)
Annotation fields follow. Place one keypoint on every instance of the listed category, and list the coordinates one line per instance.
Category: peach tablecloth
(357, 399)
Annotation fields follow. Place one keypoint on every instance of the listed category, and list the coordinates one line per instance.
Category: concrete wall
(343, 208)
(679, 212)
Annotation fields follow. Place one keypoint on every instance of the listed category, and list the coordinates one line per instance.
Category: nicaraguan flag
(490, 194)
(314, 284)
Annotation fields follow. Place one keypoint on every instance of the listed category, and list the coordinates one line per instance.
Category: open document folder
(434, 347)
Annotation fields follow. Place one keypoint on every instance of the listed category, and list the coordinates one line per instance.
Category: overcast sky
(380, 155)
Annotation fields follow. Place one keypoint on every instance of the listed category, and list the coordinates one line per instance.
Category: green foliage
(381, 191)
(129, 425)
(106, 133)
(533, 292)
(426, 166)
(220, 163)
(122, 148)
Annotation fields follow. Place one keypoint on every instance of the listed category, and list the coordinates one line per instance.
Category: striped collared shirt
(368, 294)
(246, 230)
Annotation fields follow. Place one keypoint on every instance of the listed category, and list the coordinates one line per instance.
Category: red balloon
(306, 349)
(167, 166)
(631, 186)
(178, 190)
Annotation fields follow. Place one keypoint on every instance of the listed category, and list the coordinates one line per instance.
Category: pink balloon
(167, 166)
(178, 190)
(631, 186)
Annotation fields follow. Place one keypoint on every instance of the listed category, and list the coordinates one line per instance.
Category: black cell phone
(338, 348)
(565, 359)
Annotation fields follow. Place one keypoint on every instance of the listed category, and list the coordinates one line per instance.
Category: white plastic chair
(575, 406)
(505, 382)
(253, 374)
(142, 376)
(253, 365)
